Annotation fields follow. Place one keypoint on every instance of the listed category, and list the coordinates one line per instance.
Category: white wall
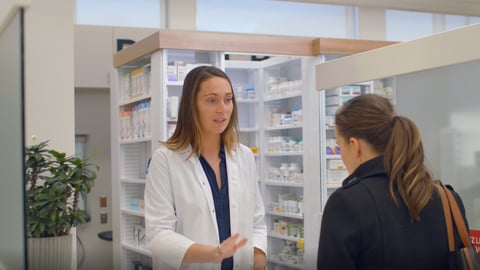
(181, 15)
(94, 50)
(49, 99)
(371, 24)
(93, 56)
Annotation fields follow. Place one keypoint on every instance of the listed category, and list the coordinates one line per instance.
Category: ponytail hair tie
(394, 118)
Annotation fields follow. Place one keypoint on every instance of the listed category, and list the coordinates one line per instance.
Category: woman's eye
(228, 100)
(211, 100)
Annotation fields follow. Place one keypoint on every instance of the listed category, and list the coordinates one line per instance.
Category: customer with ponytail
(387, 214)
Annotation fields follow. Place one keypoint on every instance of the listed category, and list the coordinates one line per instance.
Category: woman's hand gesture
(228, 247)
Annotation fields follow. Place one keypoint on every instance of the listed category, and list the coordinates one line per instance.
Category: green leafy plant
(54, 184)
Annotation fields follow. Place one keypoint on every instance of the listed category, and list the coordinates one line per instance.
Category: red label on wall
(475, 238)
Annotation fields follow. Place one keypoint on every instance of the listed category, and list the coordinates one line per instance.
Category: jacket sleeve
(166, 245)
(339, 235)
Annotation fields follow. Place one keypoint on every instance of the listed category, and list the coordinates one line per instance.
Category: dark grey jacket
(362, 228)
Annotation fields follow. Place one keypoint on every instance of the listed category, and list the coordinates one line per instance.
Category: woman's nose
(221, 106)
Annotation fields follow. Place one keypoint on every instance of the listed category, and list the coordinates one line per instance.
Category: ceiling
(457, 7)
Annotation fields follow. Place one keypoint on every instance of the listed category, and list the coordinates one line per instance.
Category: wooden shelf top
(242, 43)
(345, 46)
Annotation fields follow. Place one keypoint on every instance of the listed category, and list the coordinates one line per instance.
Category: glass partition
(12, 207)
(444, 102)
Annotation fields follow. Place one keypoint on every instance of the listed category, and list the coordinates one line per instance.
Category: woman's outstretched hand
(228, 247)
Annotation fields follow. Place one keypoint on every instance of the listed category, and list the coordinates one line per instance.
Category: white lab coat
(179, 208)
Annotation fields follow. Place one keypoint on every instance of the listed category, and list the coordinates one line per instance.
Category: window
(272, 17)
(454, 21)
(126, 13)
(407, 25)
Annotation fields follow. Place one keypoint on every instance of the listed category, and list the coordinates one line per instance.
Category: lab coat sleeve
(259, 225)
(165, 244)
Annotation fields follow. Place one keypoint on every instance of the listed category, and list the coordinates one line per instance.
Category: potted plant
(54, 184)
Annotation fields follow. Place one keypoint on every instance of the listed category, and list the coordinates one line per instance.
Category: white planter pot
(51, 253)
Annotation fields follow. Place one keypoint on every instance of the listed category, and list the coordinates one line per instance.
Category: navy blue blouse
(221, 201)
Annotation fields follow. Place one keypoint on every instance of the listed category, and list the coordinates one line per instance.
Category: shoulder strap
(448, 216)
(459, 221)
(461, 227)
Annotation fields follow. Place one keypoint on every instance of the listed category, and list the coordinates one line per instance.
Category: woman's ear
(356, 146)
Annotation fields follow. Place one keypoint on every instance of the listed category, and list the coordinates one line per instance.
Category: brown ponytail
(372, 118)
(404, 163)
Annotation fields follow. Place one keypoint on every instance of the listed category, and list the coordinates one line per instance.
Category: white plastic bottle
(284, 171)
(172, 106)
(250, 93)
(301, 206)
(293, 171)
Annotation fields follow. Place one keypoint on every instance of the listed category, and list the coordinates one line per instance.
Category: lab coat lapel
(202, 180)
(233, 172)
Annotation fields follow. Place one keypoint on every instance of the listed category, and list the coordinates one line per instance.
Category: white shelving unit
(131, 147)
(277, 105)
(247, 75)
(283, 146)
(273, 121)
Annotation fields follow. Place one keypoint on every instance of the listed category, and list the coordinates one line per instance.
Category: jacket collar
(374, 166)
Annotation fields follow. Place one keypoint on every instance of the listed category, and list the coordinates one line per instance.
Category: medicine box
(345, 90)
(336, 176)
(172, 73)
(335, 164)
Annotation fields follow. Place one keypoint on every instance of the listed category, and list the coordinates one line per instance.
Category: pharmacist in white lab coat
(203, 208)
